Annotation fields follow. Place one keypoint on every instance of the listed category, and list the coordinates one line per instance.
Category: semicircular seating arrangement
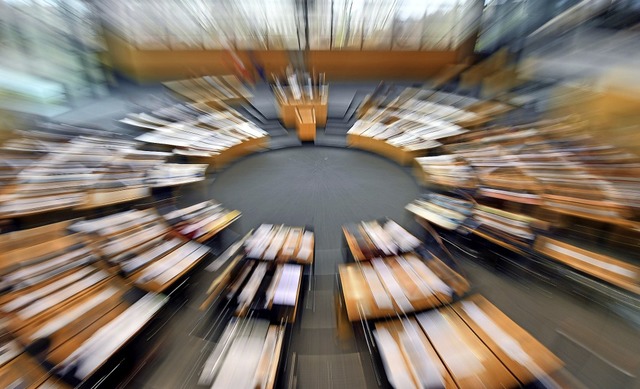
(78, 293)
(418, 122)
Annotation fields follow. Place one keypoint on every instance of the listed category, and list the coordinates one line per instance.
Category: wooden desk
(404, 366)
(353, 247)
(96, 198)
(33, 236)
(306, 123)
(257, 285)
(246, 356)
(217, 226)
(226, 89)
(229, 155)
(380, 146)
(603, 267)
(539, 360)
(497, 241)
(417, 287)
(372, 239)
(471, 363)
(24, 372)
(296, 246)
(176, 272)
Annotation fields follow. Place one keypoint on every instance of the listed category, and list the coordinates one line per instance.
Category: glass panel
(507, 21)
(378, 25)
(55, 41)
(320, 25)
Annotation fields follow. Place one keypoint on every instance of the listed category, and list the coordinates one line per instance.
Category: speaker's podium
(287, 105)
(306, 124)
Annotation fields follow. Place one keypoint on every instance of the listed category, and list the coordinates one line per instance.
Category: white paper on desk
(287, 291)
(252, 285)
(456, 354)
(34, 280)
(275, 281)
(392, 285)
(213, 362)
(393, 360)
(423, 286)
(380, 238)
(256, 244)
(202, 223)
(510, 346)
(380, 296)
(45, 290)
(228, 253)
(434, 282)
(406, 241)
(97, 224)
(61, 295)
(592, 261)
(291, 242)
(422, 364)
(71, 315)
(136, 218)
(107, 340)
(130, 241)
(306, 246)
(239, 366)
(276, 243)
(162, 265)
(8, 351)
(181, 266)
(44, 266)
(147, 256)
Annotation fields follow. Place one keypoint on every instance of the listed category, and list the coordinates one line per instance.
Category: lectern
(306, 124)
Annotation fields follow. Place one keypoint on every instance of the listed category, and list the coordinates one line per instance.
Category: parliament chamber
(319, 194)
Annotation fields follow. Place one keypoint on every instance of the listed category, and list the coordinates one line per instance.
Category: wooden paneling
(380, 64)
(155, 65)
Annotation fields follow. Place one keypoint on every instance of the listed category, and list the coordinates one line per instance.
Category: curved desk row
(466, 345)
(379, 146)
